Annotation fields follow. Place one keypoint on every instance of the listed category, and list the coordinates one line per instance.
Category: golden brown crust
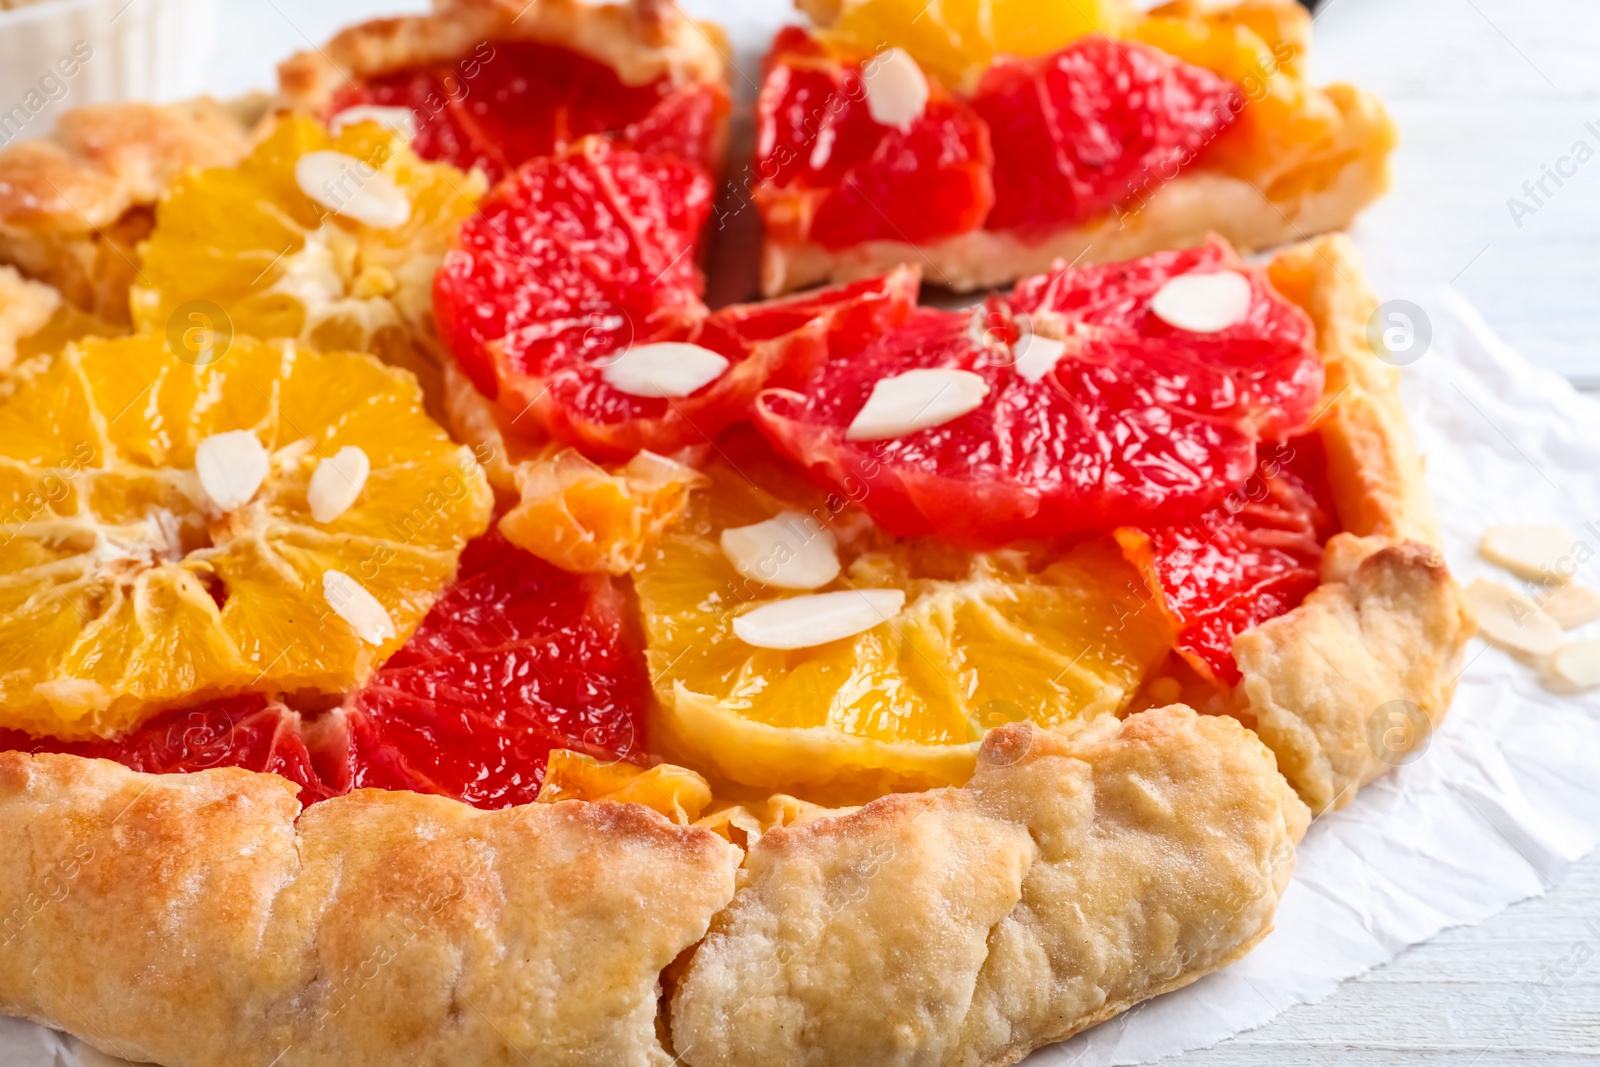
(642, 40)
(1387, 628)
(190, 920)
(1066, 881)
(74, 205)
(1333, 187)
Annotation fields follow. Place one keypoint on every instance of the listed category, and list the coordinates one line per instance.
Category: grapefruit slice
(507, 102)
(580, 263)
(1251, 560)
(981, 639)
(160, 538)
(831, 173)
(1097, 123)
(1094, 413)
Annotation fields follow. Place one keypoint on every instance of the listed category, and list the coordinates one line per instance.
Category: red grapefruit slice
(507, 102)
(578, 260)
(1136, 422)
(830, 173)
(1097, 123)
(518, 658)
(1251, 560)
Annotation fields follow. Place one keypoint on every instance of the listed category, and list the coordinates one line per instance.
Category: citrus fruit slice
(832, 173)
(1251, 560)
(1094, 124)
(510, 101)
(517, 659)
(581, 265)
(958, 39)
(981, 639)
(159, 537)
(1086, 409)
(570, 259)
(287, 244)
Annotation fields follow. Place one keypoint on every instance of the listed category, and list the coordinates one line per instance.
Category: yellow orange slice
(1056, 637)
(277, 247)
(157, 542)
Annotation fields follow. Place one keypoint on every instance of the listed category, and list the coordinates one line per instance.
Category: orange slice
(158, 528)
(957, 40)
(984, 638)
(563, 507)
(283, 245)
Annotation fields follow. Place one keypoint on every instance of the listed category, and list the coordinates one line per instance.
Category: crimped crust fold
(641, 40)
(191, 919)
(1069, 879)
(1386, 631)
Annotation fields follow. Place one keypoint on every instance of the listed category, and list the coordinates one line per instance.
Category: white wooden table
(1488, 93)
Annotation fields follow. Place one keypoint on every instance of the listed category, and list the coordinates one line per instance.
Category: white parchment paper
(1505, 798)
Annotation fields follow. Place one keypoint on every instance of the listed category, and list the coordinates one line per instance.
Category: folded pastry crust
(1387, 629)
(202, 919)
(74, 205)
(190, 919)
(1345, 175)
(642, 40)
(1068, 880)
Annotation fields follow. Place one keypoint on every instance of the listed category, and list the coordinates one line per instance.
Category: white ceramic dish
(57, 54)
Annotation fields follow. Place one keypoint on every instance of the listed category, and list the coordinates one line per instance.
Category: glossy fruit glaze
(1041, 143)
(1138, 422)
(505, 102)
(516, 659)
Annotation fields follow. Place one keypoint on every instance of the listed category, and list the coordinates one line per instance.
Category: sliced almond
(400, 120)
(231, 467)
(808, 621)
(346, 186)
(1203, 303)
(337, 482)
(1528, 550)
(896, 88)
(664, 369)
(1037, 356)
(791, 551)
(1573, 605)
(915, 401)
(1577, 664)
(356, 606)
(1512, 621)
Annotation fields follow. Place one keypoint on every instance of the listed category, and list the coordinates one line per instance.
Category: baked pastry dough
(641, 40)
(191, 919)
(74, 206)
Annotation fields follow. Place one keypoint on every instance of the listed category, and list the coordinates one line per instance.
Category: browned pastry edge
(191, 920)
(642, 40)
(1350, 173)
(74, 205)
(202, 919)
(1349, 684)
(1070, 879)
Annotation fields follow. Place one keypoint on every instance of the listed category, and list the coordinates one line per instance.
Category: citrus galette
(462, 644)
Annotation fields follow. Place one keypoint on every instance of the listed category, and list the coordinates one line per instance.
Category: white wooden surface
(1487, 93)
